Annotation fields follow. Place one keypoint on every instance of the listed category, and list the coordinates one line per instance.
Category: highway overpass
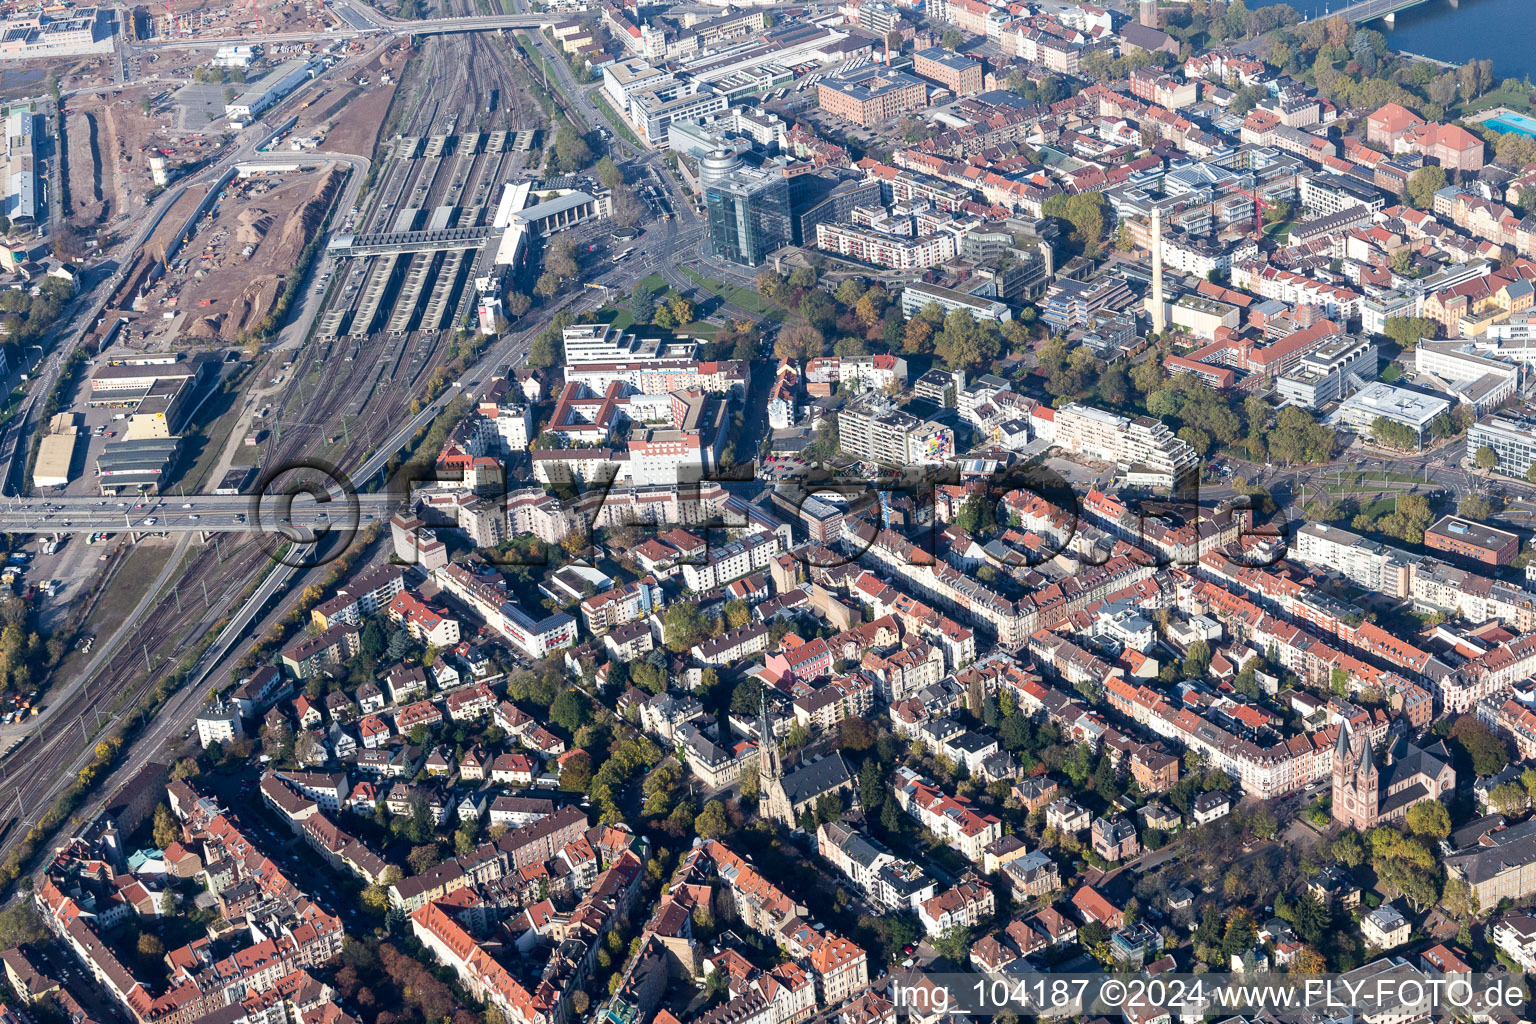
(196, 513)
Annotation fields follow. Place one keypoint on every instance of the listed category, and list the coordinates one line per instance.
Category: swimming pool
(1512, 122)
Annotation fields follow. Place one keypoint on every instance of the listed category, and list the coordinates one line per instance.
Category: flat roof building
(917, 296)
(1478, 541)
(1510, 438)
(274, 86)
(1399, 405)
(749, 214)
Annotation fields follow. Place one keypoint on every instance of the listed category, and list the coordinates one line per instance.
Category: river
(1496, 30)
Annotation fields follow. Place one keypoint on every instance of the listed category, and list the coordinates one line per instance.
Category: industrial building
(56, 454)
(85, 30)
(956, 72)
(21, 182)
(274, 86)
(136, 466)
(871, 94)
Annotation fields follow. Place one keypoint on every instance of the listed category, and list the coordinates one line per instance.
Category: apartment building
(948, 817)
(1143, 448)
(882, 249)
(876, 431)
(1373, 566)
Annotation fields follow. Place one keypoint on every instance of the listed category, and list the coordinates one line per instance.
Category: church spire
(769, 766)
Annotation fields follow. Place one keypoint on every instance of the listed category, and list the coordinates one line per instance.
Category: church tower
(769, 766)
(1356, 780)
(773, 799)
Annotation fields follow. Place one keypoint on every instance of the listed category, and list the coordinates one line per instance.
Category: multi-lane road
(196, 513)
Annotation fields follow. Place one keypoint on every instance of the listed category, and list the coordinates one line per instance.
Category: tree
(150, 947)
(571, 150)
(423, 858)
(1087, 212)
(1430, 819)
(609, 172)
(1475, 506)
(1390, 433)
(954, 944)
(641, 308)
(684, 625)
(746, 697)
(951, 39)
(1348, 848)
(737, 614)
(1485, 749)
(1485, 458)
(799, 341)
(1407, 331)
(166, 829)
(819, 310)
(711, 822)
(1423, 184)
(568, 711)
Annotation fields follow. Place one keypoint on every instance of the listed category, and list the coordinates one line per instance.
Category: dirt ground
(227, 277)
(111, 142)
(217, 17)
(350, 116)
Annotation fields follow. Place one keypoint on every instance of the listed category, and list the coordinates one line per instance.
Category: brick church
(1369, 790)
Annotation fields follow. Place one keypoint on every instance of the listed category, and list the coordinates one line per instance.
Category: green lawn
(743, 297)
(1514, 99)
(623, 320)
(551, 80)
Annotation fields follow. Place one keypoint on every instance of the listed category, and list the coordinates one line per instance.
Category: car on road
(186, 504)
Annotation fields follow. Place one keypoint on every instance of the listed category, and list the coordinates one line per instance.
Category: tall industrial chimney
(1159, 320)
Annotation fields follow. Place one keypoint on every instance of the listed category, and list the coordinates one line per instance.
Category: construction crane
(170, 19)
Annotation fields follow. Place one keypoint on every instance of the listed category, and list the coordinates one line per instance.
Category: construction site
(189, 19)
(214, 283)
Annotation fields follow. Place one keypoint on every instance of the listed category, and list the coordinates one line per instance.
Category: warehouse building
(273, 88)
(136, 466)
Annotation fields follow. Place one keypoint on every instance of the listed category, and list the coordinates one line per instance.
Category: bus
(626, 254)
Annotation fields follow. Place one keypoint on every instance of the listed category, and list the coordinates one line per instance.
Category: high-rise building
(748, 214)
